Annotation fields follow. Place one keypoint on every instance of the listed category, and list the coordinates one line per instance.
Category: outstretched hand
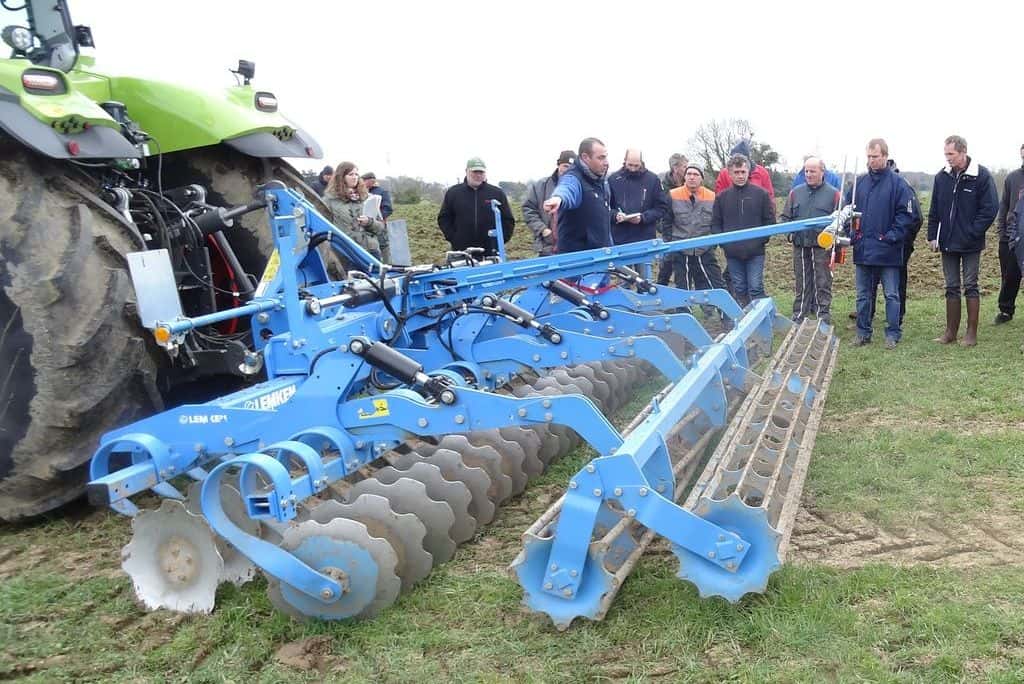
(552, 204)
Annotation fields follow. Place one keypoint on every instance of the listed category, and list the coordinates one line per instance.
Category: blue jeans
(868, 278)
(747, 276)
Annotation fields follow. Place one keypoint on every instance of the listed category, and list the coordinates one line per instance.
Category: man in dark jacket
(1014, 231)
(758, 175)
(908, 246)
(885, 202)
(538, 220)
(581, 201)
(466, 215)
(386, 209)
(637, 199)
(812, 279)
(323, 178)
(743, 205)
(1009, 271)
(964, 204)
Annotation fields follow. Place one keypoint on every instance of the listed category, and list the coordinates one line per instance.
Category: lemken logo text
(271, 400)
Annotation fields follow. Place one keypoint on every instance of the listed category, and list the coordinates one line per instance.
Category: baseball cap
(567, 157)
(476, 164)
(369, 175)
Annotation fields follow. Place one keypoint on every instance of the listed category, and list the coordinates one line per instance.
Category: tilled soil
(850, 540)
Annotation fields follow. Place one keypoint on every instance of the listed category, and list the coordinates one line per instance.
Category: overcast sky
(417, 88)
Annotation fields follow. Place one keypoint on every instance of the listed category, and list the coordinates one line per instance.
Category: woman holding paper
(346, 194)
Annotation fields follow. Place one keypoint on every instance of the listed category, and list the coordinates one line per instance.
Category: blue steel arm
(454, 285)
(498, 232)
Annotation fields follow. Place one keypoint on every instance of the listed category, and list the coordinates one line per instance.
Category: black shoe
(1002, 318)
(890, 343)
(861, 341)
(853, 315)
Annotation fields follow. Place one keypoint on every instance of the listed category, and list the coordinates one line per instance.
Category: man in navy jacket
(964, 204)
(581, 199)
(886, 204)
(636, 193)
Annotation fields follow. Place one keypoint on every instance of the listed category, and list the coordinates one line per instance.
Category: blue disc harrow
(402, 406)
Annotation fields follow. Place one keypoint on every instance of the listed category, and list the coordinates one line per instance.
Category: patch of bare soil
(881, 418)
(313, 653)
(95, 561)
(850, 540)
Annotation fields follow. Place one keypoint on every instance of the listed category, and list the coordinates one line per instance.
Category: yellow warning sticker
(380, 410)
(273, 264)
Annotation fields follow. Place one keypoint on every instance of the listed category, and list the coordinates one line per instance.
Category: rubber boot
(952, 322)
(973, 313)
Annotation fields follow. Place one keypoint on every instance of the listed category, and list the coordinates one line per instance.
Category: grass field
(906, 561)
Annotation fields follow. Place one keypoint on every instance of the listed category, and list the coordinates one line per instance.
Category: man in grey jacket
(539, 221)
(690, 217)
(1009, 271)
(811, 275)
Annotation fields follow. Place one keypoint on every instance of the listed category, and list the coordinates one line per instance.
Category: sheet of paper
(371, 207)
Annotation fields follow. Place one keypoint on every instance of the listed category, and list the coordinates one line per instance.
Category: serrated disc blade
(512, 456)
(453, 468)
(529, 441)
(173, 560)
(600, 392)
(403, 531)
(454, 493)
(343, 549)
(478, 457)
(407, 495)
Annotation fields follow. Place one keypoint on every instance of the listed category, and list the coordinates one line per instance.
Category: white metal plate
(155, 289)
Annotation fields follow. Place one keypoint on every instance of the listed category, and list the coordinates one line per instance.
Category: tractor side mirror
(246, 70)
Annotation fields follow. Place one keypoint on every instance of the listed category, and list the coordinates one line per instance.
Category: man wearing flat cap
(466, 215)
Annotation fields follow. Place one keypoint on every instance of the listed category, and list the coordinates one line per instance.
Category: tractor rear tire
(230, 178)
(73, 362)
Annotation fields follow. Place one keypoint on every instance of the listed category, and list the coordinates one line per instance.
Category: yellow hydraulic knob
(826, 239)
(162, 335)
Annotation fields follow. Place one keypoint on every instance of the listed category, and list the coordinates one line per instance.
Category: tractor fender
(183, 117)
(265, 144)
(94, 142)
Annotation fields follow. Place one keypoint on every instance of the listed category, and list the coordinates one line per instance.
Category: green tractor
(94, 167)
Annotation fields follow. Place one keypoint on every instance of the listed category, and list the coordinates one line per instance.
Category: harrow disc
(453, 493)
(173, 559)
(530, 442)
(403, 531)
(344, 550)
(407, 495)
(512, 456)
(488, 459)
(455, 469)
(600, 391)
